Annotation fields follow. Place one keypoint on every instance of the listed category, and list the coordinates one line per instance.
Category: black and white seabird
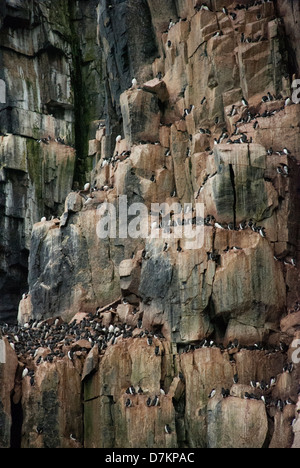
(204, 7)
(212, 393)
(179, 249)
(39, 430)
(148, 402)
(233, 111)
(280, 405)
(168, 430)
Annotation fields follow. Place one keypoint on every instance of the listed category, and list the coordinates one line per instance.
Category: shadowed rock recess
(145, 343)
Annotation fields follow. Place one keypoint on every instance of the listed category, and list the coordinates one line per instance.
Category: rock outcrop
(168, 343)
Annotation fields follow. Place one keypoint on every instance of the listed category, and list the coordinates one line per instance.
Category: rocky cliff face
(166, 346)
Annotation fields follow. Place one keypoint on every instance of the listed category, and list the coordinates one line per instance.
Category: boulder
(157, 87)
(141, 116)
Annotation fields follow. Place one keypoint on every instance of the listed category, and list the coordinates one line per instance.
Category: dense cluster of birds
(49, 340)
(58, 338)
(248, 116)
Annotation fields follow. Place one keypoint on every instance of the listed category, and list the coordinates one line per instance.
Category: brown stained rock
(143, 427)
(185, 8)
(25, 310)
(290, 324)
(127, 313)
(73, 203)
(204, 23)
(289, 13)
(200, 143)
(91, 363)
(81, 344)
(135, 175)
(253, 300)
(203, 370)
(257, 366)
(164, 136)
(130, 273)
(236, 423)
(65, 267)
(157, 87)
(160, 13)
(99, 431)
(131, 362)
(94, 147)
(187, 314)
(179, 146)
(177, 389)
(232, 193)
(79, 317)
(283, 436)
(8, 368)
